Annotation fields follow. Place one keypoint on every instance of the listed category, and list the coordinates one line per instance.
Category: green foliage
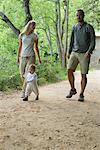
(9, 74)
(91, 9)
(43, 13)
(50, 72)
(92, 12)
(10, 82)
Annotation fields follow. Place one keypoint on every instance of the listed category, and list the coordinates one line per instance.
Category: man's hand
(87, 55)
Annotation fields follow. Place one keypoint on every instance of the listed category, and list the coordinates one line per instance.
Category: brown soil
(53, 122)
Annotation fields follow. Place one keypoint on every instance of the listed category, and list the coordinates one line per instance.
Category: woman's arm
(37, 49)
(19, 50)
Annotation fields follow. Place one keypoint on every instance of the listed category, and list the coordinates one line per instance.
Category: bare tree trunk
(59, 27)
(62, 31)
(49, 40)
(66, 5)
(9, 23)
(57, 38)
(63, 23)
(27, 11)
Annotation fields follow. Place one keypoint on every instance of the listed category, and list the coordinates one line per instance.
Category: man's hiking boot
(71, 93)
(81, 98)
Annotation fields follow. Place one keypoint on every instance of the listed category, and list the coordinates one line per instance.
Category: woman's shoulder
(35, 35)
(21, 35)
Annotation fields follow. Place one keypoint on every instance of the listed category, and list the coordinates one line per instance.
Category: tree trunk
(59, 27)
(10, 24)
(5, 19)
(27, 11)
(66, 5)
(49, 41)
(62, 31)
(56, 26)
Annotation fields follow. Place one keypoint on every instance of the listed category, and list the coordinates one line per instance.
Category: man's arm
(92, 40)
(71, 42)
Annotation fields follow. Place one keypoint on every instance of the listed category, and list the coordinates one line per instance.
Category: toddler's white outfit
(31, 84)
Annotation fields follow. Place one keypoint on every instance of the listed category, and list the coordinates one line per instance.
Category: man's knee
(70, 71)
(84, 76)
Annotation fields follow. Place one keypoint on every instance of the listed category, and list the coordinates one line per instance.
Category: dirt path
(53, 122)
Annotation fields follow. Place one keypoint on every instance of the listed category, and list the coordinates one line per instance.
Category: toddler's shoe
(37, 97)
(25, 98)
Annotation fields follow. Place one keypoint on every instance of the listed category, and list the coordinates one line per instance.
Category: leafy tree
(50, 23)
(93, 11)
(54, 18)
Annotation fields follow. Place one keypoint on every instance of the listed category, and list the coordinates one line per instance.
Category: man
(82, 44)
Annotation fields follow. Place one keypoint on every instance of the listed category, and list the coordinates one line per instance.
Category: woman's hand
(40, 61)
(18, 60)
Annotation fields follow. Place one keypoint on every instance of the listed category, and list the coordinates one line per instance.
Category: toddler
(31, 83)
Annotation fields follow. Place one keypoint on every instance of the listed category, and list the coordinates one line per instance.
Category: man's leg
(71, 79)
(83, 86)
(72, 64)
(84, 66)
(83, 83)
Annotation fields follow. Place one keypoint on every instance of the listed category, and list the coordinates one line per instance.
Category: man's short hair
(81, 11)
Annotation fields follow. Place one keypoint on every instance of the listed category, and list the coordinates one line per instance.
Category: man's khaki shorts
(24, 64)
(78, 58)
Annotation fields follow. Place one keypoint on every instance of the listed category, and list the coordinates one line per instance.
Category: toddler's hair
(32, 67)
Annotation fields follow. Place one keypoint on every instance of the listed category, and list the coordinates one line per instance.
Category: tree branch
(9, 23)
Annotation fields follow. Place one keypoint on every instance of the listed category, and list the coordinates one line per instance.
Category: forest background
(54, 19)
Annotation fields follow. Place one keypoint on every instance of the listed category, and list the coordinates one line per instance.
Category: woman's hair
(26, 28)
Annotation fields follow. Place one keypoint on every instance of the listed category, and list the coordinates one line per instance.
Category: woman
(28, 40)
